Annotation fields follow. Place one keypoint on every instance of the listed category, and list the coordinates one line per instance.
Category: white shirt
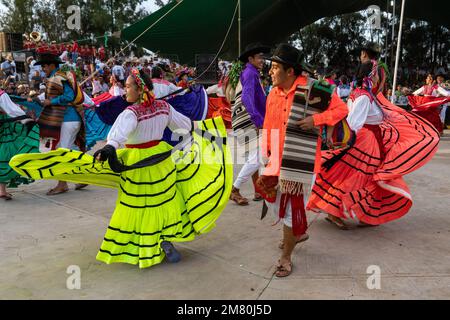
(33, 69)
(215, 89)
(163, 88)
(439, 91)
(362, 111)
(343, 92)
(116, 91)
(41, 97)
(447, 94)
(131, 129)
(9, 67)
(64, 56)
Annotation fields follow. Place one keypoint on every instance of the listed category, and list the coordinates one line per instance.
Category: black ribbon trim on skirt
(7, 120)
(174, 93)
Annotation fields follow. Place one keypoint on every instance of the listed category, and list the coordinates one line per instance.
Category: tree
(333, 41)
(161, 3)
(49, 17)
(17, 17)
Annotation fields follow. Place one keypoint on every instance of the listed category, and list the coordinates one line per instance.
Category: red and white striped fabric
(103, 97)
(427, 107)
(422, 103)
(367, 182)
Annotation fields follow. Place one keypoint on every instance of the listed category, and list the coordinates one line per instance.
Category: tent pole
(393, 33)
(239, 29)
(399, 43)
(386, 46)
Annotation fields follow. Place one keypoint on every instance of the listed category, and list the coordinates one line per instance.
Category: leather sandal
(80, 186)
(240, 200)
(53, 192)
(337, 222)
(6, 197)
(282, 271)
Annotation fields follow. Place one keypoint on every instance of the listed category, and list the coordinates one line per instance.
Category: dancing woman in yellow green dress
(165, 194)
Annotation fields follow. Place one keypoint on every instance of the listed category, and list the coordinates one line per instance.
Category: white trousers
(275, 207)
(443, 112)
(69, 131)
(250, 167)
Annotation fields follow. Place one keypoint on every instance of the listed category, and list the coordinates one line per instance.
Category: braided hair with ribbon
(108, 152)
(145, 83)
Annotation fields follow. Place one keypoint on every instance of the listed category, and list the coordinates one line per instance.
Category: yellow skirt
(174, 200)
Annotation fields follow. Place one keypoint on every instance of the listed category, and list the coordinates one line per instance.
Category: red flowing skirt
(433, 116)
(366, 183)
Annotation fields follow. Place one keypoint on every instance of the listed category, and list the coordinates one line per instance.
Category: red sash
(145, 145)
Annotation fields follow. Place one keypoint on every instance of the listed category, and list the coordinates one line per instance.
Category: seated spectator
(344, 89)
(391, 97)
(96, 87)
(36, 80)
(183, 79)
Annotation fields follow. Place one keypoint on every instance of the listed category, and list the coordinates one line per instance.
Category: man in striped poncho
(61, 121)
(293, 146)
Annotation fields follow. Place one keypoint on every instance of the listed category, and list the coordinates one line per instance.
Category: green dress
(15, 138)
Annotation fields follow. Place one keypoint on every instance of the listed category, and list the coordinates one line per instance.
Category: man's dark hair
(297, 69)
(51, 63)
(251, 56)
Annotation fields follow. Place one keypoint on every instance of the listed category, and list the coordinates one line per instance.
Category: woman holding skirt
(164, 194)
(16, 137)
(364, 182)
(431, 111)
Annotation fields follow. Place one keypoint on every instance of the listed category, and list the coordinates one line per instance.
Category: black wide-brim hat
(288, 55)
(48, 58)
(252, 49)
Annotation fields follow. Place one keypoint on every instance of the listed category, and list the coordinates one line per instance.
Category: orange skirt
(366, 183)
